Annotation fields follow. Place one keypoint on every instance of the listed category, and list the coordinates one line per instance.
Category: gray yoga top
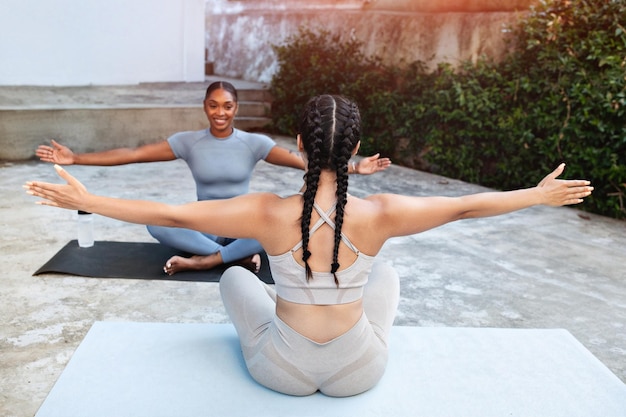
(222, 167)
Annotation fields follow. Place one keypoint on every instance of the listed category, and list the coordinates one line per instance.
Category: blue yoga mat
(197, 370)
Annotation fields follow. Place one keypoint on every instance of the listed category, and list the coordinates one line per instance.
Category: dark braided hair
(329, 130)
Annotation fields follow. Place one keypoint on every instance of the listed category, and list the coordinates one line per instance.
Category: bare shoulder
(375, 209)
(279, 221)
(401, 215)
(385, 202)
(272, 206)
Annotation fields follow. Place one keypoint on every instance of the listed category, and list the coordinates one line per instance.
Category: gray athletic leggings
(280, 358)
(197, 243)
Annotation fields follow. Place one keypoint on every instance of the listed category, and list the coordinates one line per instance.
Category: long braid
(346, 138)
(313, 123)
(329, 129)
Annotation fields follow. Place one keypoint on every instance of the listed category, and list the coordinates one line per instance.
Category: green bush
(560, 96)
(569, 68)
(313, 63)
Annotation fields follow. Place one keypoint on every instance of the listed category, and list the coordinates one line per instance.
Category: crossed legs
(208, 251)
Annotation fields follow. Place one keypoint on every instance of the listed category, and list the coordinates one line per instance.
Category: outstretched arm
(237, 217)
(285, 157)
(409, 215)
(59, 154)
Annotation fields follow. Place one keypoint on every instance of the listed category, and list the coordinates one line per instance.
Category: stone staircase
(93, 118)
(255, 107)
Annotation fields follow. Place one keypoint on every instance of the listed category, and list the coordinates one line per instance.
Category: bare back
(320, 323)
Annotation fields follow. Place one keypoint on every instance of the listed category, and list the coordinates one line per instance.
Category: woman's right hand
(57, 153)
(70, 196)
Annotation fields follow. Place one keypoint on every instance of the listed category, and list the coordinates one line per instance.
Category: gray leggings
(197, 243)
(280, 358)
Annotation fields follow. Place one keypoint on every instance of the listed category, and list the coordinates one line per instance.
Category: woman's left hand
(70, 196)
(372, 164)
(557, 192)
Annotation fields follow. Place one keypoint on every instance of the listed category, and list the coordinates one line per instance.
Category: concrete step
(94, 118)
(256, 109)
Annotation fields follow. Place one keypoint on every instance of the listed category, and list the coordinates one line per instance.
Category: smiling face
(221, 107)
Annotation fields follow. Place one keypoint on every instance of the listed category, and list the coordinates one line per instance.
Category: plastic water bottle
(85, 229)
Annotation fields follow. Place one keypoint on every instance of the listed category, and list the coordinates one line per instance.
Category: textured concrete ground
(539, 268)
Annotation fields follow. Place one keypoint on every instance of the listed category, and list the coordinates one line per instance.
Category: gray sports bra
(290, 276)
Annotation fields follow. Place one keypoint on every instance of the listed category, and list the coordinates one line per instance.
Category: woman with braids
(221, 159)
(324, 326)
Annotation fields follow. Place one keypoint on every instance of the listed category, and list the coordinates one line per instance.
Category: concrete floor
(539, 268)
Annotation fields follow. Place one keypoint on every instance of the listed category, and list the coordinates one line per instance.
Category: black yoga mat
(136, 260)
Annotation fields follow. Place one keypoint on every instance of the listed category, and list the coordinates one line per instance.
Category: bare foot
(202, 262)
(195, 263)
(252, 263)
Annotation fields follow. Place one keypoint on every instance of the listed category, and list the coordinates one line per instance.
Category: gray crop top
(221, 167)
(290, 277)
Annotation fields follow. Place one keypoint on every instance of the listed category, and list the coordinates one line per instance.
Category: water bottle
(85, 229)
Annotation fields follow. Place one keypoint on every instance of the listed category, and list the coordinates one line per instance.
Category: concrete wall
(78, 42)
(240, 34)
